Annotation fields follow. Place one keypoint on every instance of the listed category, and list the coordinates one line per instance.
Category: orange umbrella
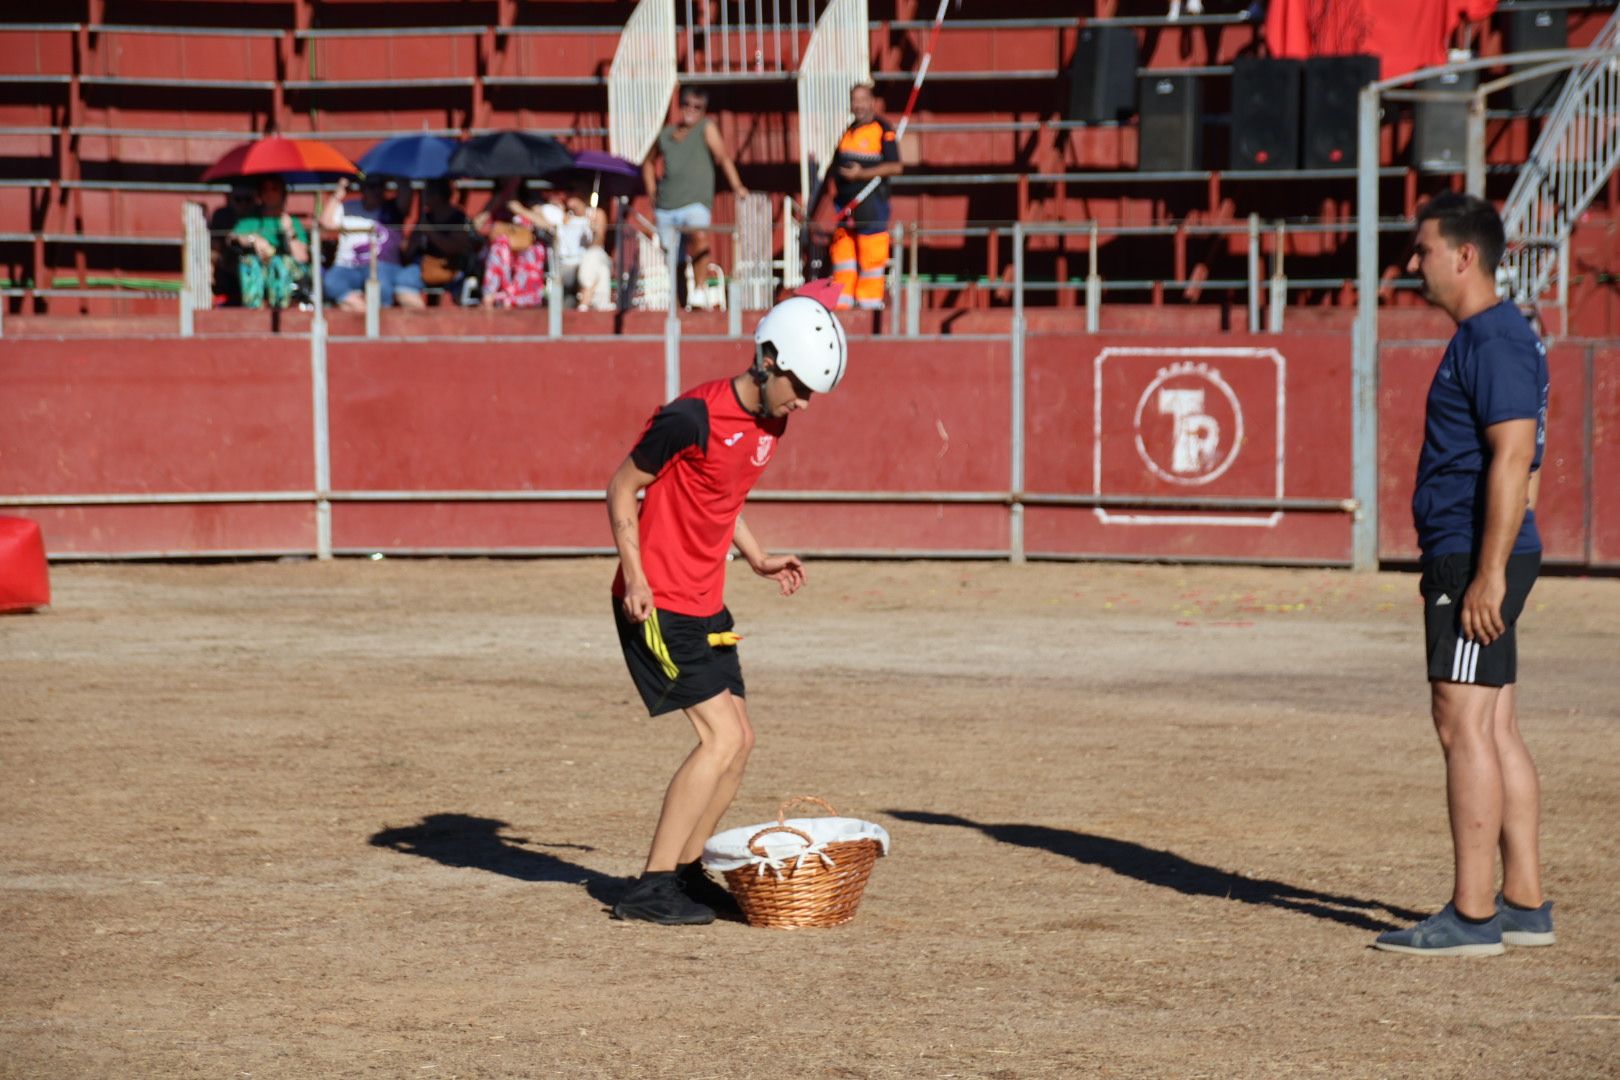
(303, 160)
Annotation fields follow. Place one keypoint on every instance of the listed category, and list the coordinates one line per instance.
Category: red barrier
(1561, 510)
(1605, 457)
(1127, 418)
(1132, 416)
(105, 417)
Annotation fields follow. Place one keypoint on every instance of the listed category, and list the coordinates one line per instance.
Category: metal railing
(751, 267)
(641, 79)
(837, 59)
(1577, 151)
(743, 39)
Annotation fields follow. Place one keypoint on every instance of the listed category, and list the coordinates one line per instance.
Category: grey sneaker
(1525, 926)
(658, 898)
(1446, 934)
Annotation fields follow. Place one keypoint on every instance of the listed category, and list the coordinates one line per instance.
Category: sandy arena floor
(361, 818)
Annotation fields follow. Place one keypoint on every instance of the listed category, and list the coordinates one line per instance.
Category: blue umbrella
(413, 157)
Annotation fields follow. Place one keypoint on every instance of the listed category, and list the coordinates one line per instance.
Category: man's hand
(1481, 613)
(740, 192)
(786, 570)
(852, 171)
(638, 601)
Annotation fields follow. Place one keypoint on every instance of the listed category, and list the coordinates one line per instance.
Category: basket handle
(752, 840)
(781, 811)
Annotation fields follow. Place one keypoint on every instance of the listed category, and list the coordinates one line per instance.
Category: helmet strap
(761, 377)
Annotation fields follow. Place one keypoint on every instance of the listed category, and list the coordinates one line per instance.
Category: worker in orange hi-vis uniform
(860, 244)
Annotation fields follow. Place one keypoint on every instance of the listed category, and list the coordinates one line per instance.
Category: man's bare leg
(1521, 806)
(697, 250)
(722, 731)
(724, 792)
(1463, 716)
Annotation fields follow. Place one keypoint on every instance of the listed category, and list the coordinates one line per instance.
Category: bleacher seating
(106, 126)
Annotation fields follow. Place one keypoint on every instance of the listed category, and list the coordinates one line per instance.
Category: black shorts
(1452, 658)
(671, 661)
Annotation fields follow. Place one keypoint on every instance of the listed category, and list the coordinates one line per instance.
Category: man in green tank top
(689, 149)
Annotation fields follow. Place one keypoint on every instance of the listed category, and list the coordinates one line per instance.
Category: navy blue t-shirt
(1495, 369)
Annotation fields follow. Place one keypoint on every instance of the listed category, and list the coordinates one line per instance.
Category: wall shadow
(1171, 871)
(478, 843)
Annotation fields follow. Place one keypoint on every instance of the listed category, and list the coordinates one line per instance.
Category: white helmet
(809, 342)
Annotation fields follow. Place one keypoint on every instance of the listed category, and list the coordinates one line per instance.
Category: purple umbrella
(607, 174)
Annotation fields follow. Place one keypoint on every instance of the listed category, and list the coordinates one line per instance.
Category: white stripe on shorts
(1456, 661)
(1473, 659)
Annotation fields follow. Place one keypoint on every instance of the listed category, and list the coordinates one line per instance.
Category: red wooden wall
(1269, 418)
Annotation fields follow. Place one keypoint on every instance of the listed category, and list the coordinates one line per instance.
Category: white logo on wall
(1189, 426)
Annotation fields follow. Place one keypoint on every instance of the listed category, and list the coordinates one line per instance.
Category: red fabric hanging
(1404, 34)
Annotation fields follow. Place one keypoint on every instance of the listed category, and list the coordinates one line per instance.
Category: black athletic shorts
(1452, 658)
(671, 661)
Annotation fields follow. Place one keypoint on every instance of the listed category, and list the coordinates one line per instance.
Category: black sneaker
(699, 886)
(658, 898)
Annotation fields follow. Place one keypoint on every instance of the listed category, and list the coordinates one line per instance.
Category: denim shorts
(339, 281)
(691, 216)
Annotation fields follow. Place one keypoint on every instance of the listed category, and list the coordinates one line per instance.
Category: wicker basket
(806, 891)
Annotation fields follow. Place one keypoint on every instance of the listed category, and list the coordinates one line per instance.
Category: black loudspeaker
(1529, 31)
(1440, 128)
(1265, 113)
(1171, 135)
(1332, 86)
(1102, 75)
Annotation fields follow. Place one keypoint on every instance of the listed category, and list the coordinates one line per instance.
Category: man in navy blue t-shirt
(1484, 430)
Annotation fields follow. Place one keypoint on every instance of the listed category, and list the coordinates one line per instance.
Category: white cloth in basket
(729, 850)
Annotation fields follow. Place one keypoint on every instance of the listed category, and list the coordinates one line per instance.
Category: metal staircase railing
(1578, 149)
(837, 58)
(641, 79)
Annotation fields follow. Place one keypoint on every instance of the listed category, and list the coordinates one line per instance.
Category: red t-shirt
(707, 452)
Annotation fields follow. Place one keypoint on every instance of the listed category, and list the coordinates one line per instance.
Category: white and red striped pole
(905, 117)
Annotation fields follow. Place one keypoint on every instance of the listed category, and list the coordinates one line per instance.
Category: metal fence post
(321, 420)
(1254, 273)
(554, 303)
(1015, 523)
(1364, 354)
(897, 241)
(373, 292)
(1563, 286)
(1093, 286)
(186, 315)
(914, 289)
(672, 332)
(318, 284)
(1476, 145)
(1279, 285)
(734, 306)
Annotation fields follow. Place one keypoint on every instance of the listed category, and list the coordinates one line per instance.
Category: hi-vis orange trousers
(860, 261)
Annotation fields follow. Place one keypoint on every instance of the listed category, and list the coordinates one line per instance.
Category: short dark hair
(696, 93)
(1468, 219)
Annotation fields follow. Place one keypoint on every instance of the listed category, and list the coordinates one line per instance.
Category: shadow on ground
(1171, 871)
(478, 844)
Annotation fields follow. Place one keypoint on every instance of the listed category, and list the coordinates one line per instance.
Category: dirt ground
(361, 819)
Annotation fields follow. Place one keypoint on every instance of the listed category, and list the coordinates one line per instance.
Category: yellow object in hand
(724, 637)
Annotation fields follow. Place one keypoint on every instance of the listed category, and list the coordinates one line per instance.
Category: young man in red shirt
(697, 459)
